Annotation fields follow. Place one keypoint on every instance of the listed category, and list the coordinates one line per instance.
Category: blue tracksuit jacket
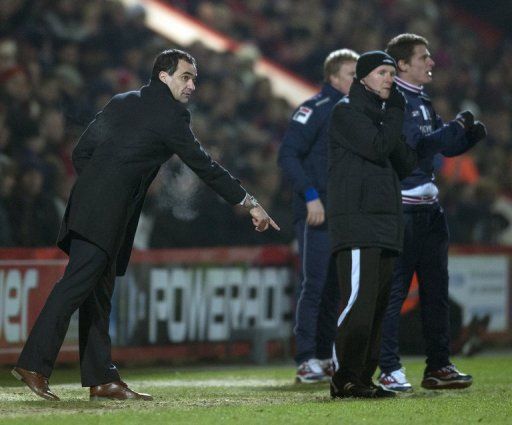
(421, 122)
(303, 152)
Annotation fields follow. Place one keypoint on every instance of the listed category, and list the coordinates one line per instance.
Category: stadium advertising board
(480, 285)
(211, 303)
(199, 303)
(197, 300)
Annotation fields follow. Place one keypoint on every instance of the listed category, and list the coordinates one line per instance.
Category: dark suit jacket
(117, 158)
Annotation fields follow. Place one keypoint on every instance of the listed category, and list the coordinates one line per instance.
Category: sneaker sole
(381, 393)
(397, 390)
(359, 395)
(440, 385)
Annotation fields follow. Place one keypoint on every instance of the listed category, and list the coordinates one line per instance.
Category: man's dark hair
(402, 46)
(168, 61)
(337, 58)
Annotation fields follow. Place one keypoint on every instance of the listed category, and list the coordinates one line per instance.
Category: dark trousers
(426, 253)
(318, 302)
(365, 279)
(87, 285)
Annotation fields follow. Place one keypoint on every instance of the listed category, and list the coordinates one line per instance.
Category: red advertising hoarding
(190, 303)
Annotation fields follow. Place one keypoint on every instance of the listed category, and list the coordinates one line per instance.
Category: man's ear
(402, 65)
(162, 75)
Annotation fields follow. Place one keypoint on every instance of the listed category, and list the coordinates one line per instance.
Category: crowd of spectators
(60, 62)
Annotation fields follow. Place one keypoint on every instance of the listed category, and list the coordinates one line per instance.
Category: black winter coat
(117, 158)
(367, 157)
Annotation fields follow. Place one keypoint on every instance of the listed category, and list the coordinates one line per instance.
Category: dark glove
(476, 133)
(466, 119)
(396, 99)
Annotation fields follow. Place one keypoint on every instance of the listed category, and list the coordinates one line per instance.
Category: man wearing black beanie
(370, 60)
(367, 158)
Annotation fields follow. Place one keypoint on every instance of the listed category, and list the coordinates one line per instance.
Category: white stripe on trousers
(354, 285)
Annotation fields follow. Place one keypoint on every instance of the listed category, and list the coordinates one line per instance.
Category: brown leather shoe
(36, 382)
(116, 390)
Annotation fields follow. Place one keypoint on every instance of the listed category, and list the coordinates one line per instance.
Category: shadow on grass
(75, 405)
(315, 389)
(295, 388)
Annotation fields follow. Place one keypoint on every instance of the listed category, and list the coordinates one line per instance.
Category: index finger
(274, 224)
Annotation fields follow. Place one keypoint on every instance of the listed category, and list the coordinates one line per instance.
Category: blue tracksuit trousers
(319, 298)
(425, 252)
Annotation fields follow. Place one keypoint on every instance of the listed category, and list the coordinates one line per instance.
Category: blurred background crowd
(62, 60)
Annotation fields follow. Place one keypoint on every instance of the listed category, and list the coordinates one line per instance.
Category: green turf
(262, 395)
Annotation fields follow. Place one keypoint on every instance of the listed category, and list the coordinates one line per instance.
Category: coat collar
(366, 101)
(359, 96)
(158, 89)
(331, 91)
(408, 86)
(412, 89)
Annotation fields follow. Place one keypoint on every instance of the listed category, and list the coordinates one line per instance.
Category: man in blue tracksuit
(303, 160)
(426, 236)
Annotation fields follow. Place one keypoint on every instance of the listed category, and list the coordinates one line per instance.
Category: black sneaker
(380, 392)
(446, 378)
(351, 389)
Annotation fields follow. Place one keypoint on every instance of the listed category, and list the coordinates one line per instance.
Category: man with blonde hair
(303, 160)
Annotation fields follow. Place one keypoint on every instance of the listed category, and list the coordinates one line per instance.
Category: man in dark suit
(117, 158)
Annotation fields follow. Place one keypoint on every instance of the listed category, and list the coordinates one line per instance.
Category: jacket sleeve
(181, 141)
(459, 145)
(356, 132)
(297, 142)
(403, 159)
(447, 139)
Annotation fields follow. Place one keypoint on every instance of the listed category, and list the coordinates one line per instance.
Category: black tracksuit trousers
(87, 285)
(365, 280)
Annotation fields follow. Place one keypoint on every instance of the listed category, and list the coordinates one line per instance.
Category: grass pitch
(262, 395)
